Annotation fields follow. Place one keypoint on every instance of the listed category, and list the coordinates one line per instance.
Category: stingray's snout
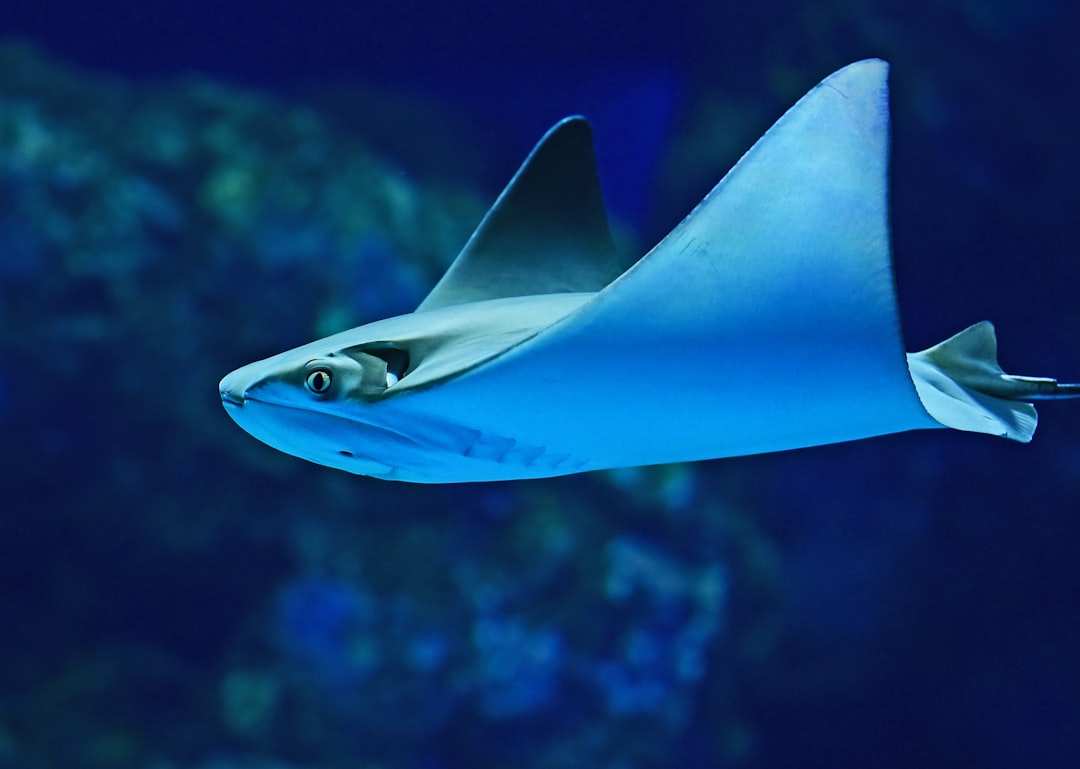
(231, 391)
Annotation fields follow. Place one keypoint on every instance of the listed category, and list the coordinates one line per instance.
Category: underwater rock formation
(186, 595)
(177, 596)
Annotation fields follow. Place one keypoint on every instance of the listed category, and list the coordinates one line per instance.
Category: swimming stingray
(766, 320)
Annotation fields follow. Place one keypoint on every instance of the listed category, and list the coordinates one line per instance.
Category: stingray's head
(319, 403)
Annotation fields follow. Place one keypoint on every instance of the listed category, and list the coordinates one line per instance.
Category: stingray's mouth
(364, 465)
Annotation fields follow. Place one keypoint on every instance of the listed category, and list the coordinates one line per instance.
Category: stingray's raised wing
(547, 232)
(766, 320)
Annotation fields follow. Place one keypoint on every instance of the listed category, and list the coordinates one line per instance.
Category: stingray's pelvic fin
(547, 233)
(962, 386)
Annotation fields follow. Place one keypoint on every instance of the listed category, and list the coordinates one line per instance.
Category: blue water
(177, 594)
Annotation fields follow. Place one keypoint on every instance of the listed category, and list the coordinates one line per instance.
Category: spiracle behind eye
(319, 380)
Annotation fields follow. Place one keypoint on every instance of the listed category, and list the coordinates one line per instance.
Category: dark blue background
(961, 642)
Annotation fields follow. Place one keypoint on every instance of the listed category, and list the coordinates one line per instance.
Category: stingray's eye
(318, 380)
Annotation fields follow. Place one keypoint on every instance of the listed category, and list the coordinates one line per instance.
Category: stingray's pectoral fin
(962, 386)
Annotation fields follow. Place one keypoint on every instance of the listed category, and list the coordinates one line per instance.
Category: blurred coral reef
(178, 596)
(184, 597)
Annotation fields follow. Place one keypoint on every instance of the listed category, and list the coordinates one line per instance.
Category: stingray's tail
(961, 385)
(1033, 388)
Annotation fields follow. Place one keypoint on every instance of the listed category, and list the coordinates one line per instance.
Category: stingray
(766, 320)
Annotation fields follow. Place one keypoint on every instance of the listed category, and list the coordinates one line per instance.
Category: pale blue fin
(547, 232)
(766, 319)
(962, 386)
